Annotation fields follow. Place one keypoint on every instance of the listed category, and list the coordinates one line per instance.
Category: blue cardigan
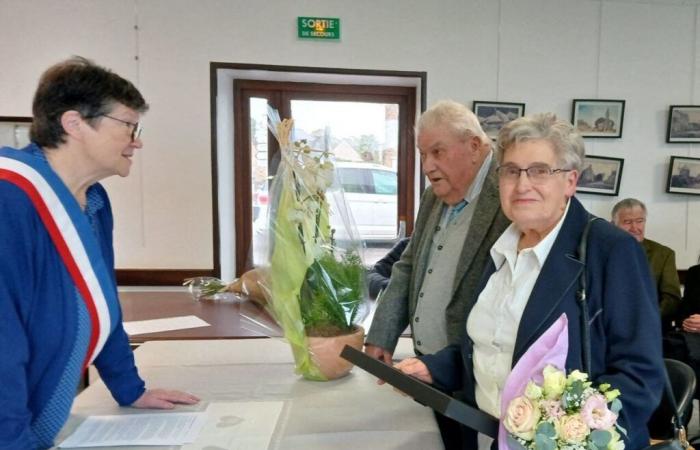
(624, 320)
(38, 319)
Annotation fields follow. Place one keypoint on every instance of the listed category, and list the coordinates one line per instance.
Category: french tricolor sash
(72, 235)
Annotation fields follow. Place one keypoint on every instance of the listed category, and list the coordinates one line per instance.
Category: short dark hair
(80, 85)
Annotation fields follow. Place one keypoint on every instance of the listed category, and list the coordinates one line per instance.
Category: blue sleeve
(446, 368)
(630, 328)
(116, 360)
(378, 276)
(17, 277)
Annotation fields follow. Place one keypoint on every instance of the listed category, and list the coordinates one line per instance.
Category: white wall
(541, 52)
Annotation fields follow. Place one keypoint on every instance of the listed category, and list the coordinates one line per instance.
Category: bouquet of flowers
(564, 412)
(543, 408)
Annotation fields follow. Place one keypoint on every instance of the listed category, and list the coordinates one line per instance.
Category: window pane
(259, 176)
(363, 137)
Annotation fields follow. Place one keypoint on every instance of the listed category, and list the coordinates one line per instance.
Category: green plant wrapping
(315, 288)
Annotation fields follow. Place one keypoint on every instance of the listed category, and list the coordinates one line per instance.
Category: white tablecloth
(349, 413)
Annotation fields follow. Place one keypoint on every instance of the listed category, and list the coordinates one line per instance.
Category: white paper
(137, 429)
(238, 426)
(167, 324)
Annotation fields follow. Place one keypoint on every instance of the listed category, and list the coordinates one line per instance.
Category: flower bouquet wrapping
(314, 277)
(544, 408)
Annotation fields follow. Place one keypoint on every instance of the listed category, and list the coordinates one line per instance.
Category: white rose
(572, 429)
(522, 417)
(554, 382)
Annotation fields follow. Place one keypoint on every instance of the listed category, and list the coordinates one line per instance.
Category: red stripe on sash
(63, 250)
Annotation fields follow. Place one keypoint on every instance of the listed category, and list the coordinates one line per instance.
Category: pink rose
(552, 409)
(572, 429)
(521, 418)
(596, 414)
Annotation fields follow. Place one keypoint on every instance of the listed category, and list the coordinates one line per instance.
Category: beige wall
(541, 52)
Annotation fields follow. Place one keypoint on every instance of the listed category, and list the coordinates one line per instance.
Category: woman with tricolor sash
(59, 310)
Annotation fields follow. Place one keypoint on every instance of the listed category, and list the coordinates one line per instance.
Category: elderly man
(630, 214)
(458, 220)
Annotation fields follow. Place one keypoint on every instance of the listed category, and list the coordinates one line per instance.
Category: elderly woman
(58, 298)
(532, 280)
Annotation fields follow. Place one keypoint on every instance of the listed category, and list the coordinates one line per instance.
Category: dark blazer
(624, 320)
(397, 306)
(378, 276)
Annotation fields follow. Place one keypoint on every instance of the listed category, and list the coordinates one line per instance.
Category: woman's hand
(415, 368)
(692, 324)
(164, 399)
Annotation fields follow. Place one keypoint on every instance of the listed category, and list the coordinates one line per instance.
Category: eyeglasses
(537, 173)
(136, 128)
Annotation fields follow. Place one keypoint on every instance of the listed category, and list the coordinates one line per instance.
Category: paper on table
(167, 324)
(238, 426)
(137, 429)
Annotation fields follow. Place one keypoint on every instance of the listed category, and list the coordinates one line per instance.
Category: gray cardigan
(397, 305)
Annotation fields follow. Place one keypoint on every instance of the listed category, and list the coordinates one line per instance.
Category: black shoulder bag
(679, 441)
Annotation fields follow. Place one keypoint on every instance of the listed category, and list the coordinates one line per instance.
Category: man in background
(630, 214)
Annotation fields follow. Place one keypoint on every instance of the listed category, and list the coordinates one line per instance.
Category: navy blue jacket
(625, 328)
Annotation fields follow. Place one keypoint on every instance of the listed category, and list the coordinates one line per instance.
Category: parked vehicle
(370, 191)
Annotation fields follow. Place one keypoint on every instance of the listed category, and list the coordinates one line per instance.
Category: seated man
(379, 274)
(630, 214)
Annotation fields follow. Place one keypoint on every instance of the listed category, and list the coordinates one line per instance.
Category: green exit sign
(318, 27)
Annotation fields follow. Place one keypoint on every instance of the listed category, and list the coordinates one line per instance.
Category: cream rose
(572, 429)
(522, 417)
(554, 382)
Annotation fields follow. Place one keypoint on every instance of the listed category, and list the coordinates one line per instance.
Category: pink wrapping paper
(550, 348)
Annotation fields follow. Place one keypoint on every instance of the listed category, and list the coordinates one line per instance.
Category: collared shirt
(473, 191)
(494, 320)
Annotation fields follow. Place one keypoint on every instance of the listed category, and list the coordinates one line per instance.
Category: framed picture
(494, 115)
(598, 118)
(14, 131)
(683, 124)
(683, 175)
(600, 175)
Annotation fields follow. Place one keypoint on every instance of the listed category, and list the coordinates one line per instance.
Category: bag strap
(678, 428)
(581, 295)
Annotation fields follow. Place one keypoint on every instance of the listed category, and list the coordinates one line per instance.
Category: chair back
(683, 382)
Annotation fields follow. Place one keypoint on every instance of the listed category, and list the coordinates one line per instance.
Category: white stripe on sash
(73, 241)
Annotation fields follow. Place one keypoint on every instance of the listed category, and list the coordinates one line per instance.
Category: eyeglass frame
(136, 129)
(530, 176)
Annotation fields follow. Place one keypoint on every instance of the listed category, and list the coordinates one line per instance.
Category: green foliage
(600, 439)
(331, 294)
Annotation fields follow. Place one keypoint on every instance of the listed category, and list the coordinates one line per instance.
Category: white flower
(521, 417)
(554, 382)
(533, 391)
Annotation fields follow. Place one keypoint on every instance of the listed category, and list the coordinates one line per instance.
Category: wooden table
(228, 320)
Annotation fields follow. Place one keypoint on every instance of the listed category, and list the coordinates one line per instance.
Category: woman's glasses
(536, 173)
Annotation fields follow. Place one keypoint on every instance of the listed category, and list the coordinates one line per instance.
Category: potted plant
(313, 287)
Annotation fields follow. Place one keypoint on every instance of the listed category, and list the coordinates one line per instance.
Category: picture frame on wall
(683, 176)
(600, 175)
(683, 124)
(598, 118)
(14, 131)
(494, 115)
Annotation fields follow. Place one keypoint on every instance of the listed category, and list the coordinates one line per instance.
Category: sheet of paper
(137, 429)
(238, 426)
(167, 324)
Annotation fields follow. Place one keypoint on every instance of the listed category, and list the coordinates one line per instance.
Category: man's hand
(692, 324)
(163, 399)
(415, 368)
(380, 354)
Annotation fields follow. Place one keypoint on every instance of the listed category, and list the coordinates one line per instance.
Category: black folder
(424, 393)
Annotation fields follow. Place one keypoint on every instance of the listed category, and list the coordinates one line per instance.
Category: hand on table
(692, 324)
(380, 354)
(164, 399)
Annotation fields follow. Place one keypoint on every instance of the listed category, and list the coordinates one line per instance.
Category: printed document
(167, 324)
